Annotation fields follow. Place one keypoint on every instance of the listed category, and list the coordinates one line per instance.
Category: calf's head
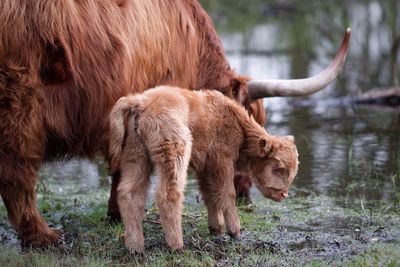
(275, 166)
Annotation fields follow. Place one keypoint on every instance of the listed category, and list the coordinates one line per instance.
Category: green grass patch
(304, 230)
(378, 255)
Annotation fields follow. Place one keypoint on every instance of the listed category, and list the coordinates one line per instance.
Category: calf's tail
(118, 117)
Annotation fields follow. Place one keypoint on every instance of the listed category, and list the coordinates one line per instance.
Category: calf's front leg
(215, 214)
(219, 194)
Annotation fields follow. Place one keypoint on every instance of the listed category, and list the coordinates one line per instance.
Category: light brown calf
(168, 128)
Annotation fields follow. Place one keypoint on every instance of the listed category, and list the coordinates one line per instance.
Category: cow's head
(245, 90)
(274, 166)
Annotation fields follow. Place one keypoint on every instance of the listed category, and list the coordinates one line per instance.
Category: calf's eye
(279, 171)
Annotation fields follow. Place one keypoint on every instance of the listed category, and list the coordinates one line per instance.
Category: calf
(167, 129)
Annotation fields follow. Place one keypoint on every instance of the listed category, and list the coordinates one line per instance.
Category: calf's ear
(264, 147)
(290, 138)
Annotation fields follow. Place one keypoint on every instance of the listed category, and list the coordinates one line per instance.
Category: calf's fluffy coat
(170, 128)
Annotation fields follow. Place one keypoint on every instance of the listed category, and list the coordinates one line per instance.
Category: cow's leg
(17, 189)
(132, 193)
(113, 212)
(242, 188)
(22, 147)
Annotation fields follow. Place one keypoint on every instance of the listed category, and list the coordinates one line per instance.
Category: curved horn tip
(301, 87)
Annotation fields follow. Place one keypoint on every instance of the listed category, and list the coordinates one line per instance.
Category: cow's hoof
(52, 237)
(243, 201)
(114, 218)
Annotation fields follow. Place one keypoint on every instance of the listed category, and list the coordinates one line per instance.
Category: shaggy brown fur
(165, 128)
(243, 182)
(63, 64)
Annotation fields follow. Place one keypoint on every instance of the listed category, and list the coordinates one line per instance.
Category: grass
(378, 255)
(304, 230)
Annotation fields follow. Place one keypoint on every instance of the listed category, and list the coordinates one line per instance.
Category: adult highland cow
(63, 64)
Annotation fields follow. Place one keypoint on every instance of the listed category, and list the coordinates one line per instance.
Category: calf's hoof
(135, 247)
(175, 245)
(216, 230)
(234, 235)
(178, 251)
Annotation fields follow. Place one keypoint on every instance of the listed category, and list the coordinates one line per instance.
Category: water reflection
(345, 150)
(72, 177)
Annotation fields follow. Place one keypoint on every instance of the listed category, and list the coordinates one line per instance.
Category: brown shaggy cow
(166, 127)
(63, 65)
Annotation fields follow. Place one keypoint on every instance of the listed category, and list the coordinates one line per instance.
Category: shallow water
(346, 152)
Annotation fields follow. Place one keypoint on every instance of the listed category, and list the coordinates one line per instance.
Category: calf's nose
(284, 194)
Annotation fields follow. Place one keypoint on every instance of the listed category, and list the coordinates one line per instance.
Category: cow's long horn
(300, 87)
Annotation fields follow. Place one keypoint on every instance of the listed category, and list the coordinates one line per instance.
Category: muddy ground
(306, 229)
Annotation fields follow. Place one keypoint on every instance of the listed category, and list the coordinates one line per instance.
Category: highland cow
(64, 64)
(167, 128)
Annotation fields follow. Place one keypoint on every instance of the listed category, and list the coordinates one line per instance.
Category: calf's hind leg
(172, 160)
(132, 191)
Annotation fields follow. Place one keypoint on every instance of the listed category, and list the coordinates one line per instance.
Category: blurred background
(292, 38)
(349, 152)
